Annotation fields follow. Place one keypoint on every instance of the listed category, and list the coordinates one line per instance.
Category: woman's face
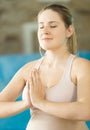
(52, 32)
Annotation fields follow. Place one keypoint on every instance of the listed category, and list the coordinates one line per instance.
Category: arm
(8, 106)
(79, 110)
(12, 108)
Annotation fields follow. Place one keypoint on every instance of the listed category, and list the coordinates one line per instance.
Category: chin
(48, 49)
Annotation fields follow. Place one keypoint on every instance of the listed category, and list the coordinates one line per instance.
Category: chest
(59, 87)
(50, 77)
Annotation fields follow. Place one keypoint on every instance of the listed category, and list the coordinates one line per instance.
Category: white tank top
(64, 91)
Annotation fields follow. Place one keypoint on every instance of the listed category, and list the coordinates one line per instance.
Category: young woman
(58, 84)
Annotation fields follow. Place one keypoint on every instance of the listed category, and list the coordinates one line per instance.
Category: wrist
(26, 104)
(41, 104)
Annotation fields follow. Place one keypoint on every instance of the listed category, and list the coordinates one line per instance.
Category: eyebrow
(49, 22)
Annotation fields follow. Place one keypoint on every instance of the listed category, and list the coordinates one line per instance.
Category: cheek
(60, 38)
(38, 36)
(60, 35)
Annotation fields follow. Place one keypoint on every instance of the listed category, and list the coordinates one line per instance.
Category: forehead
(49, 15)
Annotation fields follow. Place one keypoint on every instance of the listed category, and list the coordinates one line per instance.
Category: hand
(37, 90)
(26, 95)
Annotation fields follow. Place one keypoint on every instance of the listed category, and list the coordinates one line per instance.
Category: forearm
(12, 108)
(72, 110)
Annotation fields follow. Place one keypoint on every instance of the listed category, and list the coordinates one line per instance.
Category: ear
(70, 31)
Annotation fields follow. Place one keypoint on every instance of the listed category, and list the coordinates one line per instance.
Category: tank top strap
(37, 66)
(69, 65)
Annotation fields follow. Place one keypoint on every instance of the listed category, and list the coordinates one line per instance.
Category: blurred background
(19, 44)
(18, 24)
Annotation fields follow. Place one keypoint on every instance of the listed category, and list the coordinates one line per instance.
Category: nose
(46, 30)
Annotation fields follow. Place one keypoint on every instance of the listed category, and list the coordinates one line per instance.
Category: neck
(56, 57)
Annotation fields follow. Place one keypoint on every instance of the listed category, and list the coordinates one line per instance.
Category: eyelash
(53, 26)
(50, 27)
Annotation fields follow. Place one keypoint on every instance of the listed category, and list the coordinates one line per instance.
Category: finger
(34, 77)
(31, 81)
(37, 76)
(27, 83)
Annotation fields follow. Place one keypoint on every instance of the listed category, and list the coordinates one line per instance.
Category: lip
(46, 38)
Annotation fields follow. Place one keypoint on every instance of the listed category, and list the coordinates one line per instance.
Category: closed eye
(53, 26)
(41, 27)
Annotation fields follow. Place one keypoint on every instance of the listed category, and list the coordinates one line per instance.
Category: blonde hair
(66, 16)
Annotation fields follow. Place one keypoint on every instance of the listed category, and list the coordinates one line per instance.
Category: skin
(52, 35)
(53, 39)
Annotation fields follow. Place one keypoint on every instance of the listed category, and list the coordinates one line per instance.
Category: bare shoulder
(81, 63)
(81, 66)
(25, 70)
(30, 65)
